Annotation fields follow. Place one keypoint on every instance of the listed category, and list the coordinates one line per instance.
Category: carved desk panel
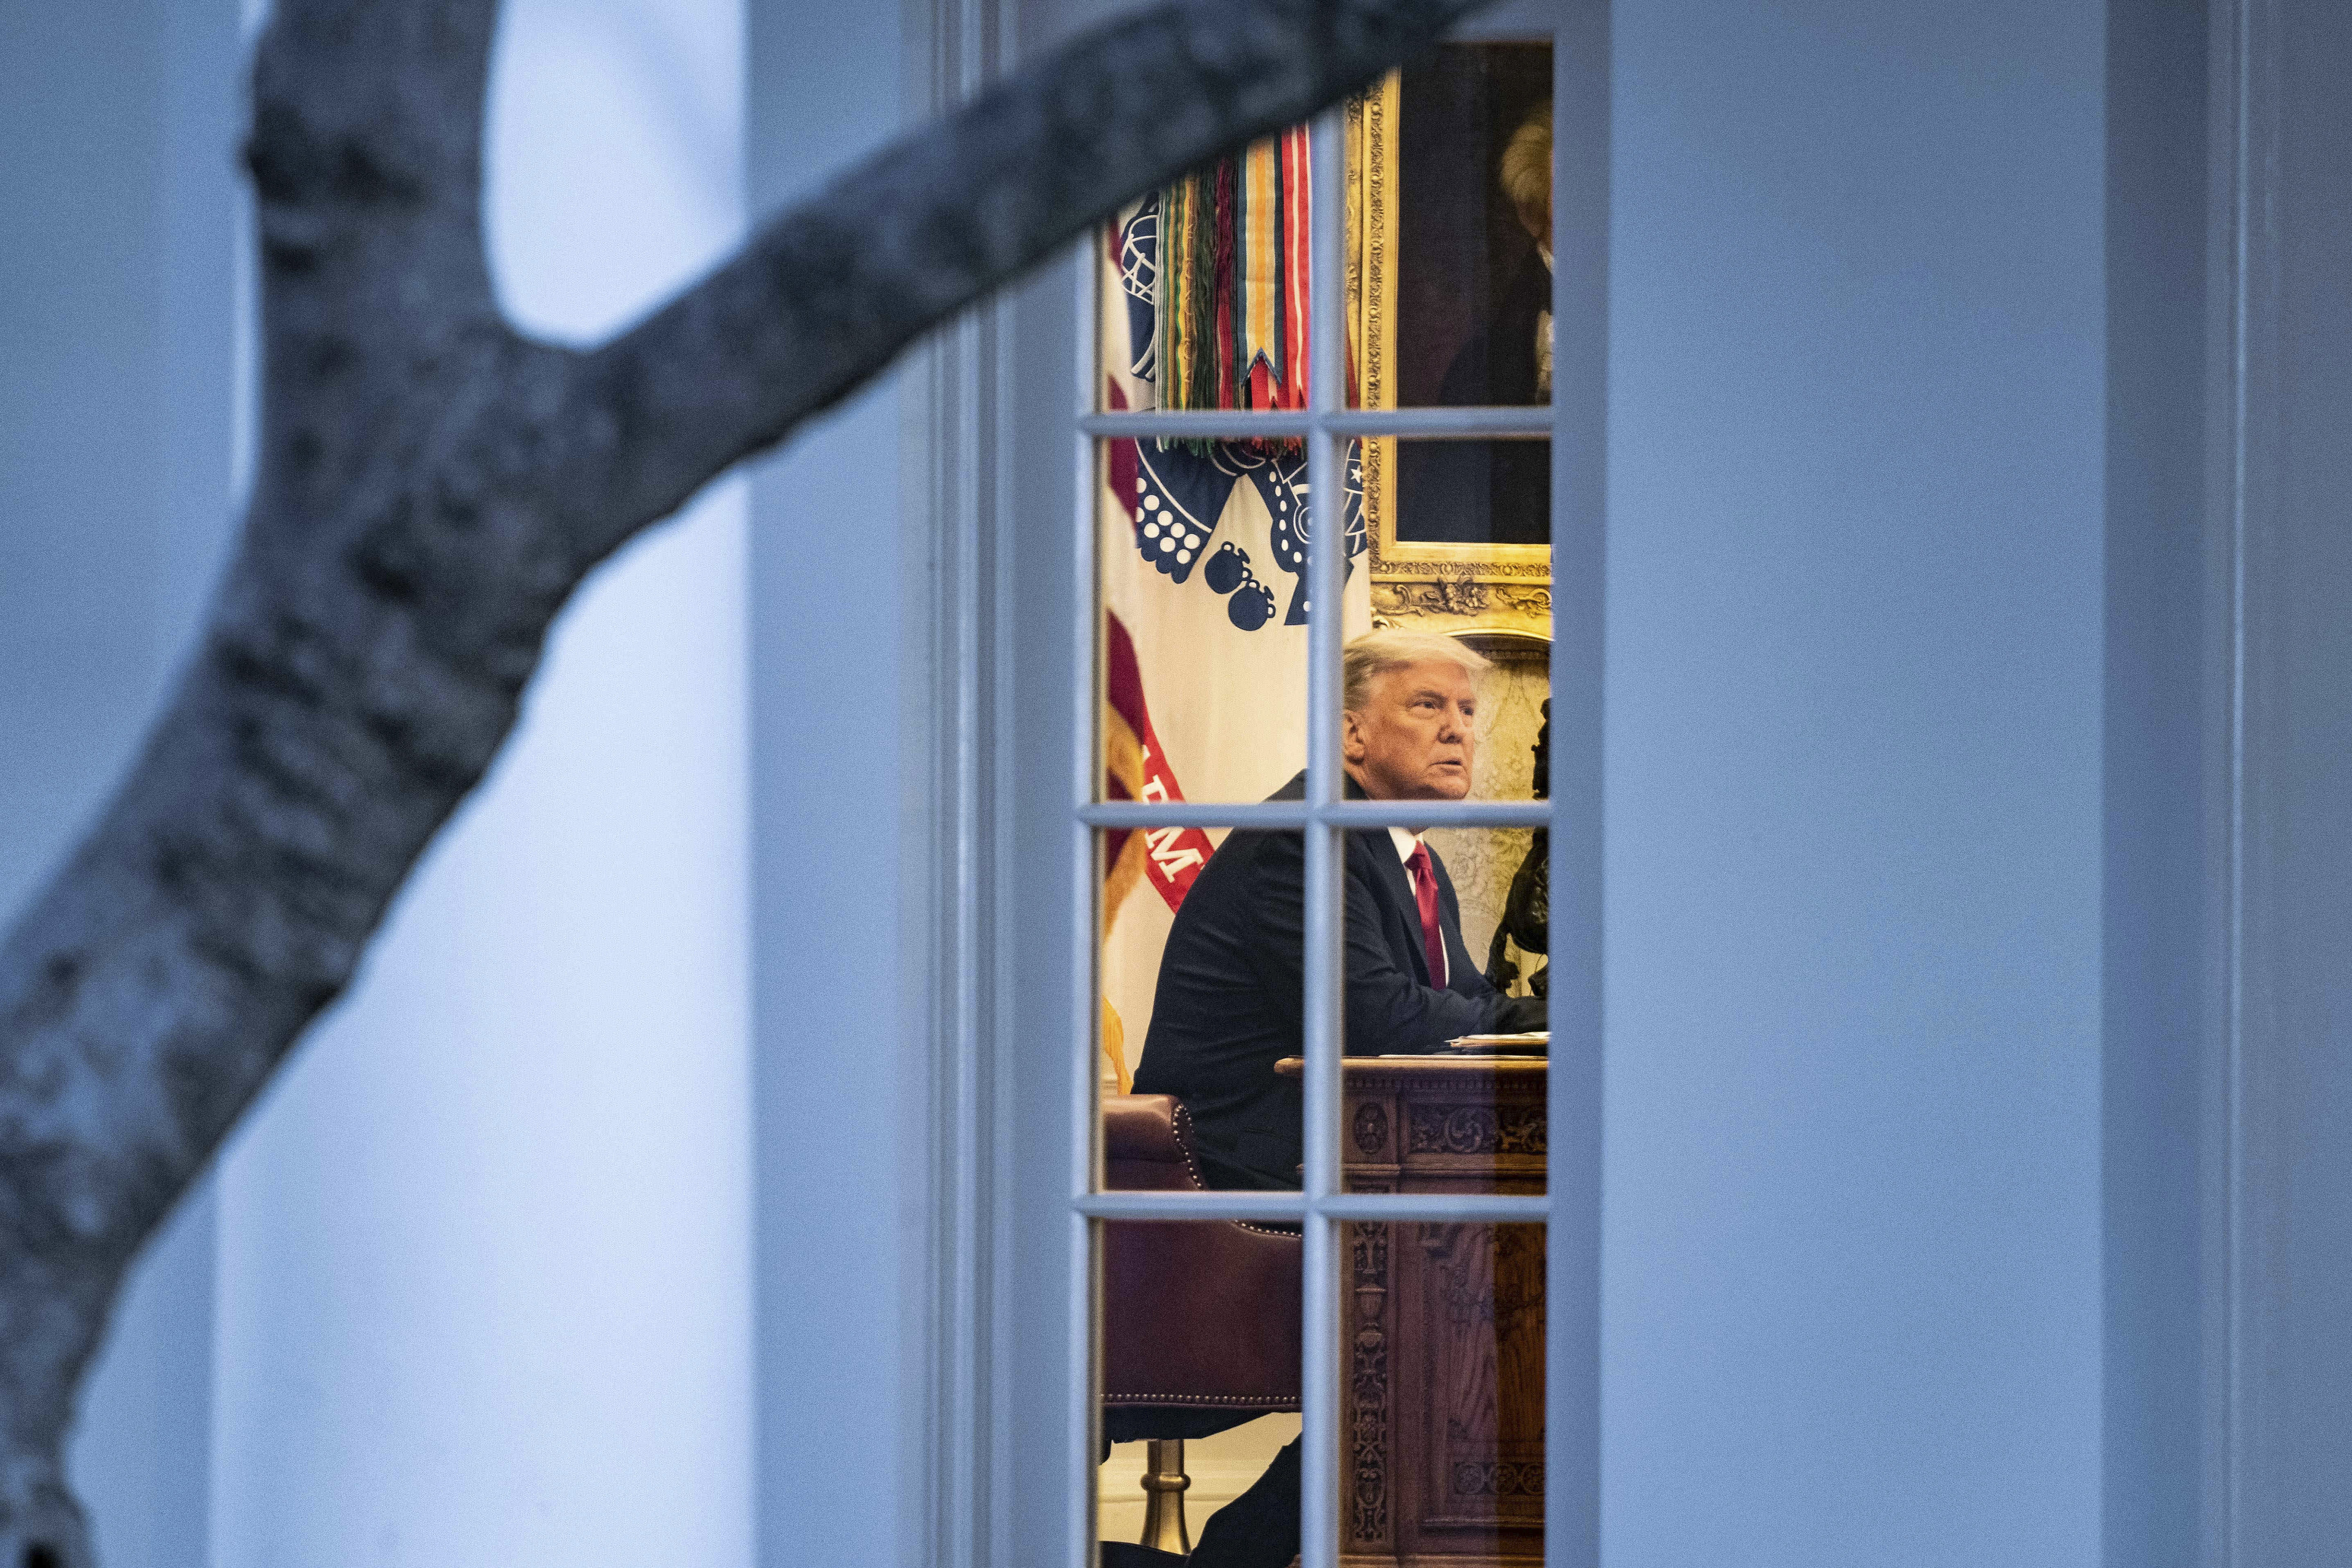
(1442, 1324)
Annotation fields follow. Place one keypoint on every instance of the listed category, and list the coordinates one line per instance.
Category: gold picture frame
(1460, 587)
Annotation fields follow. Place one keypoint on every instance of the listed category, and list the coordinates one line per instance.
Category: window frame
(1569, 1209)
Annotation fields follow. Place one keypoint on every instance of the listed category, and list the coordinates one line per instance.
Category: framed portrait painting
(1450, 260)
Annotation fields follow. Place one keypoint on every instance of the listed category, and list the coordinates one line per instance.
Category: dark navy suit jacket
(1231, 988)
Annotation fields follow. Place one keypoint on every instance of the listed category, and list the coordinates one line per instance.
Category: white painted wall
(485, 1281)
(841, 1046)
(1852, 1230)
(116, 217)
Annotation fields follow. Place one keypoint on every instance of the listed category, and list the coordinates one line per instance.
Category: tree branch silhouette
(431, 488)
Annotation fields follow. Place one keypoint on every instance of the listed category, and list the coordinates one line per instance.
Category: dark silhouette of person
(1496, 492)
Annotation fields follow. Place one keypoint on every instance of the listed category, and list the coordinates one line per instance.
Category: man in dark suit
(1229, 1000)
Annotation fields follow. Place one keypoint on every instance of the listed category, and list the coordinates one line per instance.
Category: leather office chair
(1201, 1322)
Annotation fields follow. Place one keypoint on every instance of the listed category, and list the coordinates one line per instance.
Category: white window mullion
(1579, 431)
(1080, 1548)
(1326, 571)
(1085, 1362)
(1297, 814)
(1290, 1207)
(1453, 423)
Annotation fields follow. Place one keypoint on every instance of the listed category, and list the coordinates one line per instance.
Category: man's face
(1413, 738)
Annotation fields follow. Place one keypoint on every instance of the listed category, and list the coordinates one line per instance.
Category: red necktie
(1424, 893)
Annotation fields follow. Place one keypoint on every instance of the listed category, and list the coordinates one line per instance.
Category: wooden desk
(1442, 1415)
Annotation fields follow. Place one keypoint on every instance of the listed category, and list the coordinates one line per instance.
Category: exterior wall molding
(955, 478)
(2278, 1120)
(2238, 153)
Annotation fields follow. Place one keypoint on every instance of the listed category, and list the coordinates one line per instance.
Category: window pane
(1501, 881)
(1201, 1334)
(1207, 1473)
(1459, 530)
(1202, 616)
(1200, 999)
(1450, 226)
(1436, 501)
(1204, 288)
(1442, 1427)
(1465, 1121)
(1449, 705)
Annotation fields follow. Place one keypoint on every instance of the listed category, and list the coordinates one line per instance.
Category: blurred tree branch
(432, 487)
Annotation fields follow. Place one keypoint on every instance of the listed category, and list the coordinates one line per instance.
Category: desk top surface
(1422, 1066)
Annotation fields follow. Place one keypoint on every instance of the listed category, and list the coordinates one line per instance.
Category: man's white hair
(1375, 653)
(1526, 173)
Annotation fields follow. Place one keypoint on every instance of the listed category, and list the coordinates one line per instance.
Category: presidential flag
(1203, 546)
